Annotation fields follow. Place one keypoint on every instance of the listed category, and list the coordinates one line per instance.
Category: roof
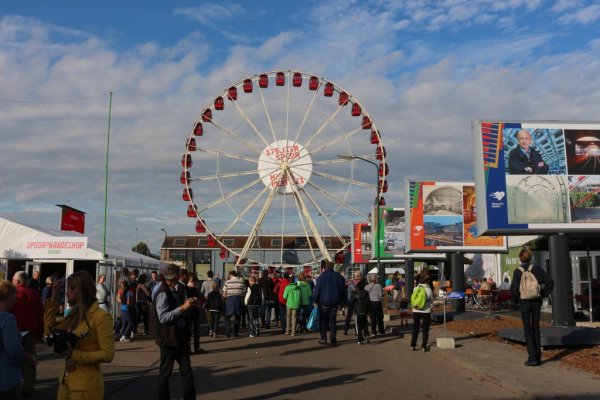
(14, 235)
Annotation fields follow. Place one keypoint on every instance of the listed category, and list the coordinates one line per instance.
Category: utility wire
(53, 101)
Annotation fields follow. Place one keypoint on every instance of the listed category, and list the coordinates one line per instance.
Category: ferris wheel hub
(281, 157)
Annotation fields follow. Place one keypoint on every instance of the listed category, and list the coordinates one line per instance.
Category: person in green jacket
(293, 299)
(306, 306)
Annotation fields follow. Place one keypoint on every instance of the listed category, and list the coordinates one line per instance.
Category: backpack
(418, 298)
(529, 288)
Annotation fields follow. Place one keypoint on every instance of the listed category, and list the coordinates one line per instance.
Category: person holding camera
(173, 335)
(84, 337)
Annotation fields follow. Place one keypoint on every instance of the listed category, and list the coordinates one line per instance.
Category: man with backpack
(421, 301)
(530, 284)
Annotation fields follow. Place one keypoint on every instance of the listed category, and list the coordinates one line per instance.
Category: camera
(60, 340)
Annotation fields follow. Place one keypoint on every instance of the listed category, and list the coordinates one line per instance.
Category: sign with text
(56, 247)
(537, 177)
(443, 217)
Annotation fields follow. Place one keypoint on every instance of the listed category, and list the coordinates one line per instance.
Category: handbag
(313, 320)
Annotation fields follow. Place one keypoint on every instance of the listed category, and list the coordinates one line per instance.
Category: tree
(141, 248)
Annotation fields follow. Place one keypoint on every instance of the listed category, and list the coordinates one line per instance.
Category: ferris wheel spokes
(323, 126)
(231, 155)
(332, 197)
(249, 121)
(342, 136)
(236, 136)
(267, 114)
(222, 175)
(307, 217)
(325, 215)
(306, 235)
(307, 113)
(229, 195)
(239, 216)
(259, 221)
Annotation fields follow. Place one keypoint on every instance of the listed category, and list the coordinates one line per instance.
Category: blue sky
(423, 70)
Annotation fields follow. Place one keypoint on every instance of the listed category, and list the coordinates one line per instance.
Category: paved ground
(275, 366)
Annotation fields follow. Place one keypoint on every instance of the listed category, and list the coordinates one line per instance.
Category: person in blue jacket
(329, 292)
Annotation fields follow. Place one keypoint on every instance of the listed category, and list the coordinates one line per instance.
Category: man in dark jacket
(524, 160)
(360, 303)
(531, 308)
(173, 335)
(268, 298)
(329, 292)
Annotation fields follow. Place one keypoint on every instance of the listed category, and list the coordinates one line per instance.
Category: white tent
(18, 241)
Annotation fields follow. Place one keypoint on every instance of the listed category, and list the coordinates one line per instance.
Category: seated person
(505, 285)
(485, 285)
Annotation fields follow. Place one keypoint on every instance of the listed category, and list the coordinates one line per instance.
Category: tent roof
(14, 234)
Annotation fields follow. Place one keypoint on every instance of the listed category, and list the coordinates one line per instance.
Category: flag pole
(106, 176)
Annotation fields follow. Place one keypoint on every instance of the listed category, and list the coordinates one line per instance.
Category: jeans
(265, 313)
(141, 309)
(195, 320)
(349, 313)
(362, 327)
(168, 356)
(530, 314)
(127, 323)
(417, 317)
(236, 324)
(253, 321)
(282, 313)
(213, 321)
(328, 315)
(377, 317)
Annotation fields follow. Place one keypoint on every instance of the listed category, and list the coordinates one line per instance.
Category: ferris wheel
(281, 154)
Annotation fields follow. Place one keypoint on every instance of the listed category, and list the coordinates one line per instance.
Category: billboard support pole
(457, 266)
(561, 273)
(409, 270)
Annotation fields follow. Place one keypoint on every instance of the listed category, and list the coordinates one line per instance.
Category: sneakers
(251, 335)
(210, 333)
(124, 339)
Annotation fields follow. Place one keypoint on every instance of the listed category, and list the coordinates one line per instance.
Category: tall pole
(106, 176)
(380, 271)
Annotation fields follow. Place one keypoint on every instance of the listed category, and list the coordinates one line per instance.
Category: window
(301, 242)
(202, 242)
(178, 255)
(276, 242)
(179, 242)
(327, 242)
(228, 242)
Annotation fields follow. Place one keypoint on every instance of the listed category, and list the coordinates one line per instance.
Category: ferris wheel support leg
(306, 215)
(257, 224)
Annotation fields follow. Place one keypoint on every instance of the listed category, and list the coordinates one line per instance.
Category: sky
(423, 69)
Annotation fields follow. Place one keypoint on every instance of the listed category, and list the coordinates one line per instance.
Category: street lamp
(380, 271)
(165, 231)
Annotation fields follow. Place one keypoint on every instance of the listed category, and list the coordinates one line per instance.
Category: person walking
(422, 314)
(293, 300)
(142, 298)
(268, 299)
(125, 299)
(253, 300)
(30, 322)
(330, 291)
(103, 293)
(173, 335)
(307, 302)
(358, 277)
(530, 306)
(279, 290)
(81, 376)
(214, 306)
(359, 302)
(12, 355)
(234, 292)
(376, 296)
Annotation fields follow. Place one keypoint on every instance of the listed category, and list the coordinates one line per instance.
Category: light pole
(165, 242)
(380, 271)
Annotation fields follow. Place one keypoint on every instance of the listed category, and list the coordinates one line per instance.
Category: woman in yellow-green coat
(81, 376)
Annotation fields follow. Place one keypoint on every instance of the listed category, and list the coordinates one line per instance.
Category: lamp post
(380, 271)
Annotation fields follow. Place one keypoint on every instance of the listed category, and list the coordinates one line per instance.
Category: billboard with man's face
(443, 217)
(537, 177)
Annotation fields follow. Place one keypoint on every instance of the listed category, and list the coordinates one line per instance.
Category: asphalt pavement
(277, 366)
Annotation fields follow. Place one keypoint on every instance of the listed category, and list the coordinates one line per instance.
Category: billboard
(537, 177)
(392, 236)
(361, 243)
(442, 217)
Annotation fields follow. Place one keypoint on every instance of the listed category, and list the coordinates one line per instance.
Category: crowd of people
(75, 316)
